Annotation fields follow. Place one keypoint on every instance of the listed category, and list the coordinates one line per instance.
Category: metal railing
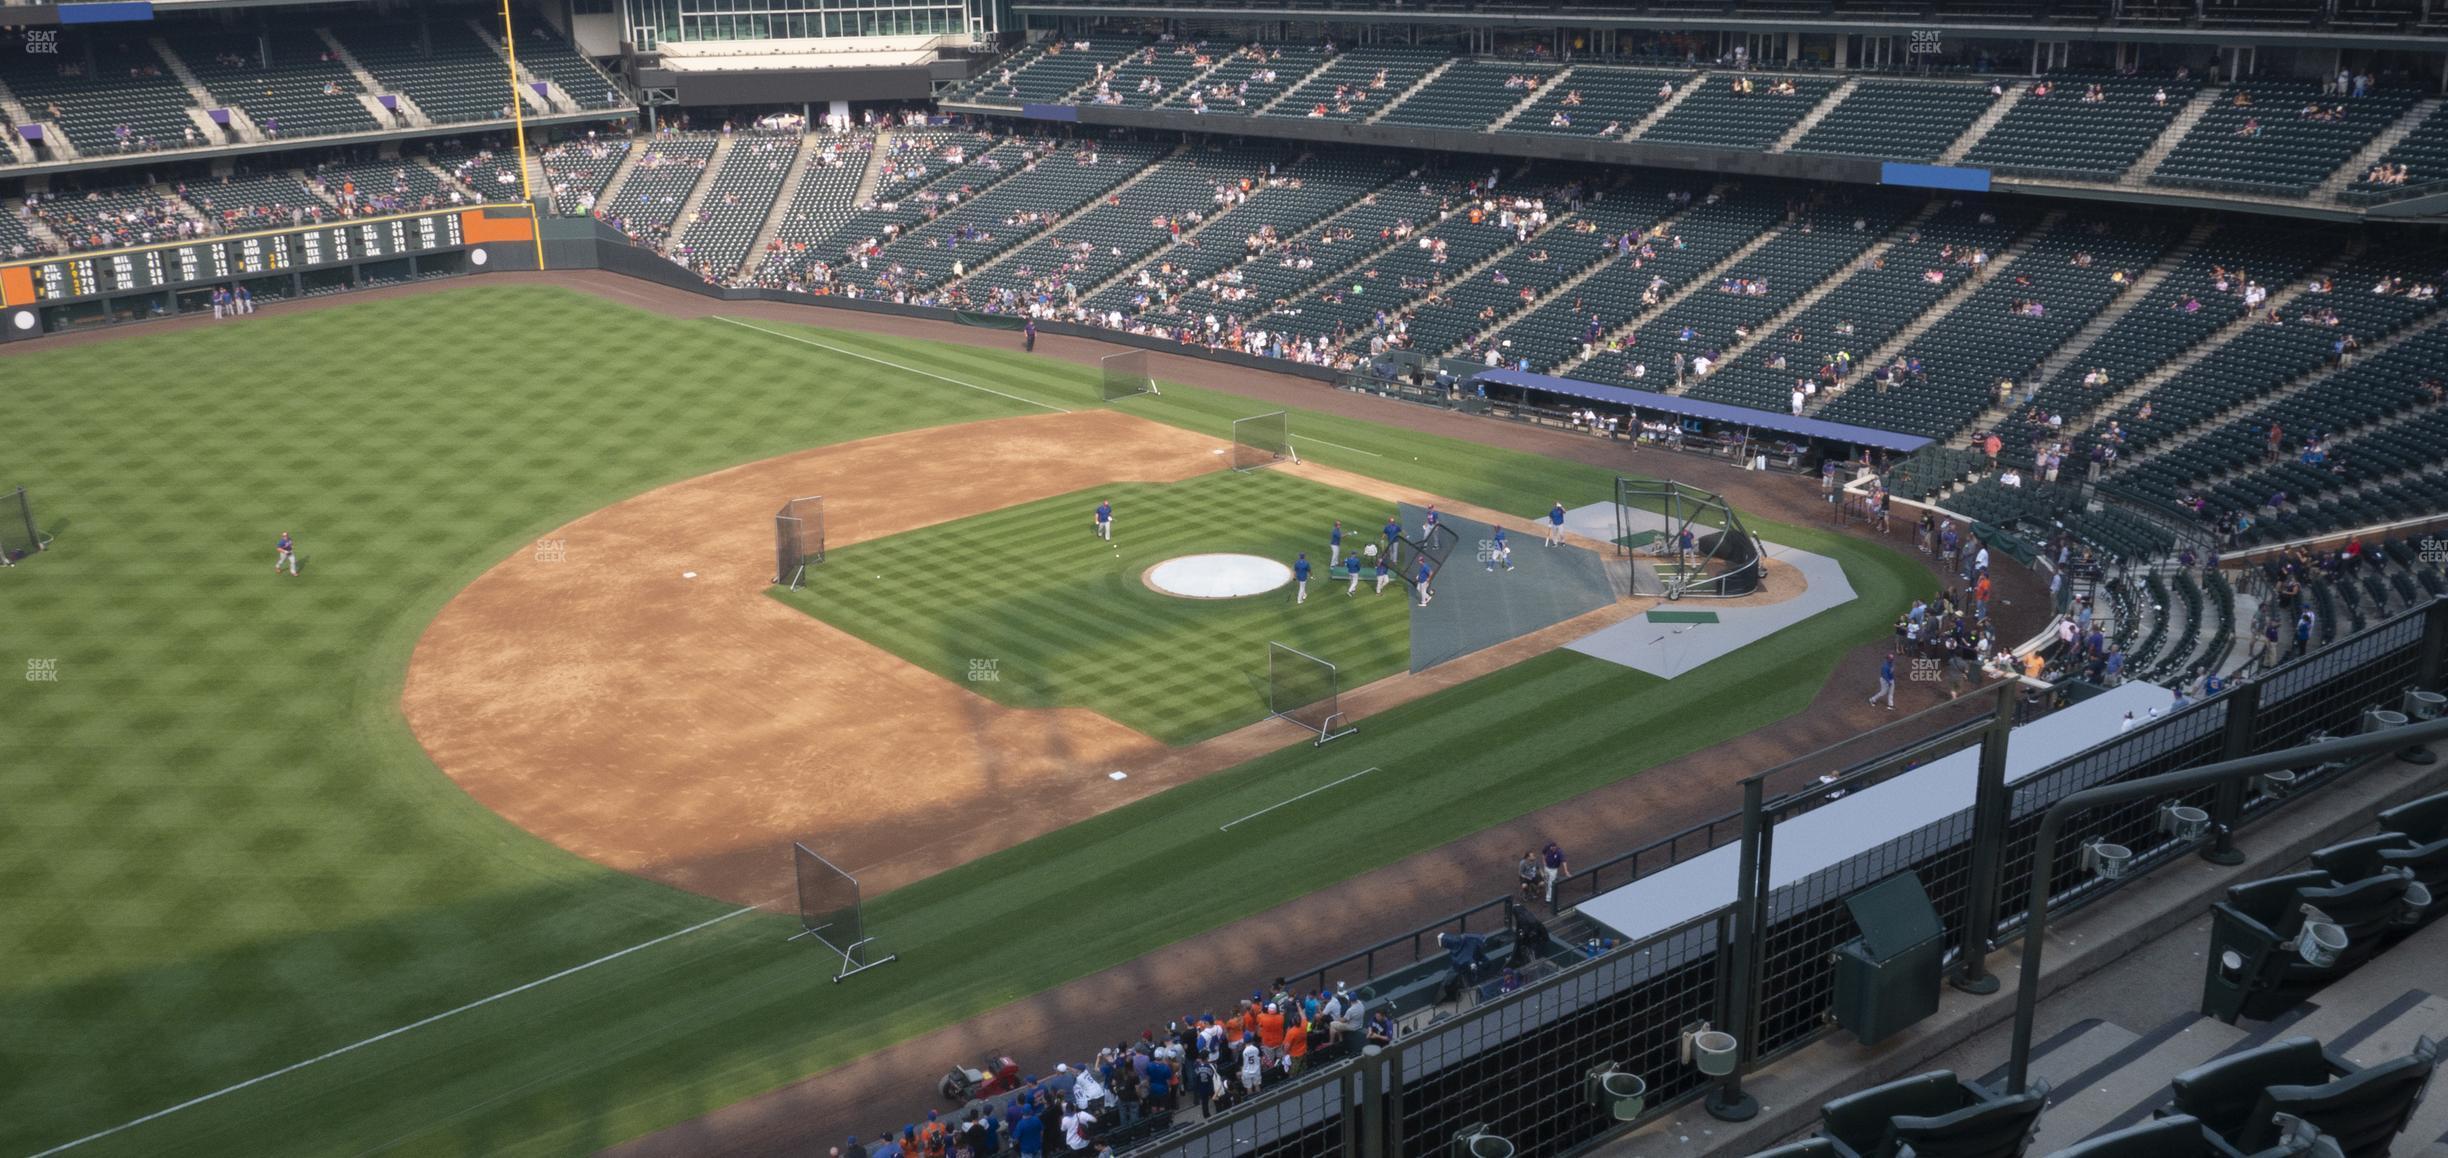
(1517, 1064)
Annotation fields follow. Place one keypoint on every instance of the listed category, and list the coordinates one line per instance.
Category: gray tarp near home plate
(1706, 411)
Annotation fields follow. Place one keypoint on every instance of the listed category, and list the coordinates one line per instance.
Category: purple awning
(1711, 411)
(30, 132)
(219, 116)
(539, 87)
(389, 102)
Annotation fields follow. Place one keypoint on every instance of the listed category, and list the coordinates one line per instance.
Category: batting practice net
(18, 538)
(829, 911)
(1262, 440)
(1126, 374)
(1302, 688)
(1436, 545)
(799, 537)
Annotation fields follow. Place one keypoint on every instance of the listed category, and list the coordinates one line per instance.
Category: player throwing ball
(1104, 520)
(1555, 525)
(285, 555)
(1500, 551)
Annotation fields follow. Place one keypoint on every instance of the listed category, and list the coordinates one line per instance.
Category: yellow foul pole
(518, 122)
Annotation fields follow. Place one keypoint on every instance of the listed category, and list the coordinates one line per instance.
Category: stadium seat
(2182, 1136)
(2240, 1097)
(1934, 1115)
(2254, 968)
(2274, 145)
(442, 64)
(1592, 97)
(1719, 115)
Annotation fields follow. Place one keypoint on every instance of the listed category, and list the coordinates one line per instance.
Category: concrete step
(1531, 99)
(2370, 154)
(2137, 1073)
(1962, 145)
(1665, 106)
(1818, 113)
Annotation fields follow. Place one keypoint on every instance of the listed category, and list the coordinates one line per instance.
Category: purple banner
(219, 116)
(30, 132)
(539, 87)
(389, 102)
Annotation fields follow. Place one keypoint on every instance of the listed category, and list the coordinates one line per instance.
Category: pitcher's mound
(1217, 576)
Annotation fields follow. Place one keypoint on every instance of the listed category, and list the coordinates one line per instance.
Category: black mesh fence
(1301, 688)
(18, 536)
(1261, 440)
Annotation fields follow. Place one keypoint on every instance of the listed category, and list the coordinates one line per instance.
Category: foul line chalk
(1336, 445)
(889, 362)
(388, 1034)
(1227, 827)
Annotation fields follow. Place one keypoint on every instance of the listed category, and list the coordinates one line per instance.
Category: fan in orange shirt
(1296, 1041)
(1271, 1031)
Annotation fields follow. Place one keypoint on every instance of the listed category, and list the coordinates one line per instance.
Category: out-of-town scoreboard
(215, 260)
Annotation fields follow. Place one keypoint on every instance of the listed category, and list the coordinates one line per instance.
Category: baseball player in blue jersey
(285, 554)
(1104, 520)
(1385, 571)
(1334, 545)
(1351, 567)
(1500, 551)
(1555, 525)
(1300, 575)
(1421, 581)
(1428, 526)
(1393, 537)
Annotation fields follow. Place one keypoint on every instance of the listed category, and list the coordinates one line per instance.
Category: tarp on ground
(1768, 420)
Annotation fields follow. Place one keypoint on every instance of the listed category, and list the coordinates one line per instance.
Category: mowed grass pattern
(1058, 618)
(222, 852)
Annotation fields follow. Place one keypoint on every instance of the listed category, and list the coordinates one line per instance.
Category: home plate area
(1668, 642)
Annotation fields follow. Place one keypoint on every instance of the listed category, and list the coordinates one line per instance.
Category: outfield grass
(1063, 619)
(222, 851)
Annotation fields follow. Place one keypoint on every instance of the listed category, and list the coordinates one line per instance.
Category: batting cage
(1302, 688)
(799, 538)
(1262, 440)
(18, 538)
(829, 911)
(1126, 374)
(1694, 542)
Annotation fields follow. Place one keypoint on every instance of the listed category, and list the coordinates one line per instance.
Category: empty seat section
(1595, 102)
(1740, 110)
(1865, 310)
(2423, 154)
(1357, 84)
(1172, 198)
(820, 205)
(1206, 274)
(1253, 75)
(649, 200)
(1897, 120)
(543, 52)
(302, 92)
(1470, 95)
(441, 64)
(576, 171)
(1054, 181)
(2007, 327)
(2278, 138)
(737, 202)
(126, 103)
(2057, 133)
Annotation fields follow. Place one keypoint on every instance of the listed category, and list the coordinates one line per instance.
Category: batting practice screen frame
(799, 538)
(1125, 375)
(828, 899)
(18, 536)
(1261, 440)
(1305, 690)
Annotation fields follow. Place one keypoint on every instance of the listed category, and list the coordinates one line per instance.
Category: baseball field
(325, 864)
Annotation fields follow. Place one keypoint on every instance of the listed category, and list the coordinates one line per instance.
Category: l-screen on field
(1031, 608)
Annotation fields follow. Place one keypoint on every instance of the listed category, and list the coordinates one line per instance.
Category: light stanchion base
(1741, 1107)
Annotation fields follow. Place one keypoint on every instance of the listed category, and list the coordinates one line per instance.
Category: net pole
(829, 911)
